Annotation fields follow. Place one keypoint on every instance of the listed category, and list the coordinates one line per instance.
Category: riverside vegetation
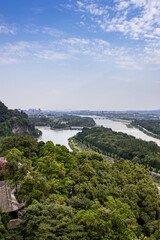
(77, 196)
(120, 145)
(72, 196)
(152, 126)
(64, 121)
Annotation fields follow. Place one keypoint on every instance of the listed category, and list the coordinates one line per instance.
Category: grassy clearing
(75, 145)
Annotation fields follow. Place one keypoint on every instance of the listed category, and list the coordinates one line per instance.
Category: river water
(122, 127)
(61, 136)
(57, 136)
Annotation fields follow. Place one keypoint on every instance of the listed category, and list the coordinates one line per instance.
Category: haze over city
(72, 55)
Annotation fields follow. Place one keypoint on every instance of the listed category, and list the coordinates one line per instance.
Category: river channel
(118, 126)
(61, 136)
(57, 136)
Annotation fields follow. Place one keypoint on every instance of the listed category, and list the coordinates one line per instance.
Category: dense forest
(41, 121)
(78, 121)
(77, 196)
(152, 126)
(120, 145)
(14, 123)
(63, 121)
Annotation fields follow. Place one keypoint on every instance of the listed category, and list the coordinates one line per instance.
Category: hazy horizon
(74, 110)
(85, 54)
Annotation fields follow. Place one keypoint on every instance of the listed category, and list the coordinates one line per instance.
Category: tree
(25, 144)
(47, 220)
(115, 220)
(34, 187)
(4, 219)
(17, 166)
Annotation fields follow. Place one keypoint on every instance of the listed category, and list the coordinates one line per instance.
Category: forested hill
(63, 121)
(14, 123)
(78, 196)
(121, 145)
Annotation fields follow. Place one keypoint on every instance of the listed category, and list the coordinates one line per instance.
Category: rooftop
(8, 202)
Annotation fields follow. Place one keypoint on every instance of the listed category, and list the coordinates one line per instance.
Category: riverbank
(120, 125)
(126, 122)
(57, 136)
(146, 131)
(77, 146)
(69, 128)
(63, 128)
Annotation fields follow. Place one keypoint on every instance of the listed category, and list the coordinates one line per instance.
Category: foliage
(75, 145)
(80, 196)
(2, 169)
(121, 145)
(79, 121)
(94, 178)
(73, 121)
(13, 122)
(2, 164)
(17, 166)
(152, 126)
(114, 220)
(47, 220)
(41, 121)
(63, 121)
(26, 144)
(34, 187)
(4, 219)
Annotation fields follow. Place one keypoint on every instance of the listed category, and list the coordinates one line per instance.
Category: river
(119, 126)
(61, 136)
(57, 136)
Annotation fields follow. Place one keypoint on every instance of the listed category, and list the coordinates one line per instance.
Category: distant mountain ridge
(15, 123)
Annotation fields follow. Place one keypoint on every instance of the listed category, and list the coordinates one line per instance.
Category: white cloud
(128, 62)
(96, 50)
(139, 3)
(74, 48)
(5, 29)
(92, 8)
(137, 19)
(51, 55)
(122, 5)
(16, 52)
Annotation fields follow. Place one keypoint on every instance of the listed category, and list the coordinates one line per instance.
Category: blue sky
(72, 55)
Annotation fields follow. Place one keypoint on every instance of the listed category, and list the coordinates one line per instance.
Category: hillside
(15, 123)
(78, 196)
(120, 145)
